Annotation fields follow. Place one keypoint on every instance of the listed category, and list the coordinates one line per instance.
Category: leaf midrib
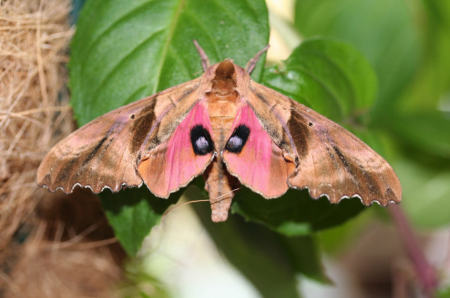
(166, 45)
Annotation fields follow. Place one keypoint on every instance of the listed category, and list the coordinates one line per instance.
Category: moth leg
(203, 56)
(252, 63)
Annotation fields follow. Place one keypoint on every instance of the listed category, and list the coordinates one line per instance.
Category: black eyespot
(238, 139)
(310, 124)
(201, 140)
(132, 116)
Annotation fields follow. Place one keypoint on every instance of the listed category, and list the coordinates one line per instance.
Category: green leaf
(439, 12)
(432, 82)
(425, 193)
(382, 30)
(295, 213)
(125, 50)
(269, 260)
(304, 255)
(428, 131)
(132, 213)
(329, 76)
(444, 292)
(429, 90)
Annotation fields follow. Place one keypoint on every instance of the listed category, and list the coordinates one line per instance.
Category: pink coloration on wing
(182, 164)
(260, 165)
(174, 164)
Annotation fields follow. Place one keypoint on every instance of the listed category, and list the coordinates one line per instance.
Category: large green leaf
(428, 131)
(382, 30)
(125, 50)
(132, 213)
(295, 213)
(331, 77)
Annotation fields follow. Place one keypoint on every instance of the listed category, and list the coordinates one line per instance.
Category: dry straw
(33, 43)
(54, 261)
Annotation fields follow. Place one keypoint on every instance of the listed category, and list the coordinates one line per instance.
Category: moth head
(225, 70)
(224, 81)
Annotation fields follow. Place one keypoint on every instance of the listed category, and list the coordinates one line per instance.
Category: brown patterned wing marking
(331, 160)
(104, 153)
(338, 164)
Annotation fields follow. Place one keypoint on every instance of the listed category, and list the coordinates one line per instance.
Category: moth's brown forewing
(330, 160)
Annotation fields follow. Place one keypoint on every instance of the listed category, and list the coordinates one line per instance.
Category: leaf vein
(117, 66)
(166, 45)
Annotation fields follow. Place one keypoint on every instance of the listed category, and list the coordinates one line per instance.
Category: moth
(231, 130)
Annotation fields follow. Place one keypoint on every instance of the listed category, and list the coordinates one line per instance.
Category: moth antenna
(176, 206)
(203, 56)
(252, 63)
(223, 196)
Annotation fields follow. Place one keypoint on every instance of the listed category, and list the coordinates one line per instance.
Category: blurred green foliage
(444, 293)
(329, 76)
(407, 43)
(382, 30)
(380, 68)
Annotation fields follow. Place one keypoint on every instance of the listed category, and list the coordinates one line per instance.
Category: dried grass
(67, 251)
(33, 43)
(63, 269)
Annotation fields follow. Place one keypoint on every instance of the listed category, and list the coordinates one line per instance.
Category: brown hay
(33, 41)
(62, 269)
(68, 250)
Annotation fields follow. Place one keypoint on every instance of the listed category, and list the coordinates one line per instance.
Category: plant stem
(425, 272)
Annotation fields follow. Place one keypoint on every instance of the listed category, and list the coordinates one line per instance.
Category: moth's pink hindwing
(254, 159)
(186, 154)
